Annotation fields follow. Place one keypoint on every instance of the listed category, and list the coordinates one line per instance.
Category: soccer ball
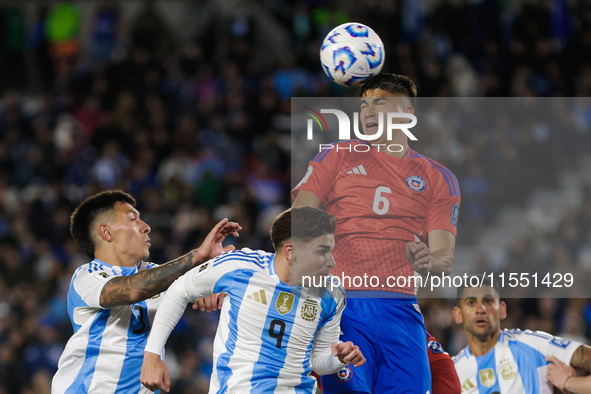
(351, 53)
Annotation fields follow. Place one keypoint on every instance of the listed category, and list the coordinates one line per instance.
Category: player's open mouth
(481, 322)
(371, 126)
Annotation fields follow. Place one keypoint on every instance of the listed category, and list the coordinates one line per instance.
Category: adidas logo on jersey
(258, 296)
(359, 170)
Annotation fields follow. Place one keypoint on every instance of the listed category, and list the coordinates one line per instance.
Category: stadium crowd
(198, 131)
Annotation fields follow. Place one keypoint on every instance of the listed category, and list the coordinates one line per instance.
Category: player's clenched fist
(348, 353)
(155, 375)
(418, 255)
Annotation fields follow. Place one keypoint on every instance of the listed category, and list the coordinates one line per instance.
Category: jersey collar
(124, 270)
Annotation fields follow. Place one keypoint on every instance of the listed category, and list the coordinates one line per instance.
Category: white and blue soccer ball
(351, 53)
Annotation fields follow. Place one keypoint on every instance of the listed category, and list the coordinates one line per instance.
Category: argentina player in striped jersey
(273, 331)
(508, 361)
(112, 299)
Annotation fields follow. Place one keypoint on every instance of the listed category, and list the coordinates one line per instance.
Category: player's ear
(104, 232)
(458, 315)
(288, 251)
(502, 310)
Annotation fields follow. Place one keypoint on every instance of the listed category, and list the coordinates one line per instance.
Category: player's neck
(283, 269)
(112, 258)
(481, 346)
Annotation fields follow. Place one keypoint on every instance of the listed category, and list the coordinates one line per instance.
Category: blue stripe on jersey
(95, 336)
(453, 178)
(307, 383)
(254, 257)
(460, 355)
(129, 379)
(539, 335)
(452, 191)
(528, 360)
(74, 301)
(487, 362)
(329, 309)
(322, 154)
(249, 260)
(238, 290)
(450, 178)
(272, 270)
(263, 371)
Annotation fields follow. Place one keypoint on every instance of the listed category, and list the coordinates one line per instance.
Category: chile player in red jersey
(390, 204)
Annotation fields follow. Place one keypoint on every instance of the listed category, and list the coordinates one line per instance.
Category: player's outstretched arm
(348, 353)
(155, 375)
(581, 360)
(127, 290)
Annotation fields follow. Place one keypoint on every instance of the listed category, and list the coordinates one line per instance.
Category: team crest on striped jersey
(284, 303)
(487, 377)
(508, 369)
(416, 183)
(309, 310)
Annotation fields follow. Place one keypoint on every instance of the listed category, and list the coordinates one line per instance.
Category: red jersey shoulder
(438, 174)
(331, 151)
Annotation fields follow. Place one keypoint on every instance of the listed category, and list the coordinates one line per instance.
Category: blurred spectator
(106, 28)
(13, 42)
(62, 29)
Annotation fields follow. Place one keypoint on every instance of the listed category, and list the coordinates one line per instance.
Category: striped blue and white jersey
(270, 335)
(105, 353)
(516, 364)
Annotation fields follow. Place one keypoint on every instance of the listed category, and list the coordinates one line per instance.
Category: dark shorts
(391, 334)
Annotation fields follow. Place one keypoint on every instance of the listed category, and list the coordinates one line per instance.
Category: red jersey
(381, 202)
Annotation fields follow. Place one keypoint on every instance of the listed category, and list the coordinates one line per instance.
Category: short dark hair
(302, 223)
(88, 210)
(391, 83)
(477, 280)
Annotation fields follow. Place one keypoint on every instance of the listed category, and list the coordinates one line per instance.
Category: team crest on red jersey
(344, 374)
(416, 183)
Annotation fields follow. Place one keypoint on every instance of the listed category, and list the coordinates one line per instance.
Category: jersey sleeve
(89, 283)
(322, 360)
(444, 378)
(549, 345)
(320, 176)
(444, 208)
(199, 282)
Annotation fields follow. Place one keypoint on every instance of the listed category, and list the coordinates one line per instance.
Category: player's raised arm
(126, 290)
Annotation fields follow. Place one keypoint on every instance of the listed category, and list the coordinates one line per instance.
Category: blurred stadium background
(186, 103)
